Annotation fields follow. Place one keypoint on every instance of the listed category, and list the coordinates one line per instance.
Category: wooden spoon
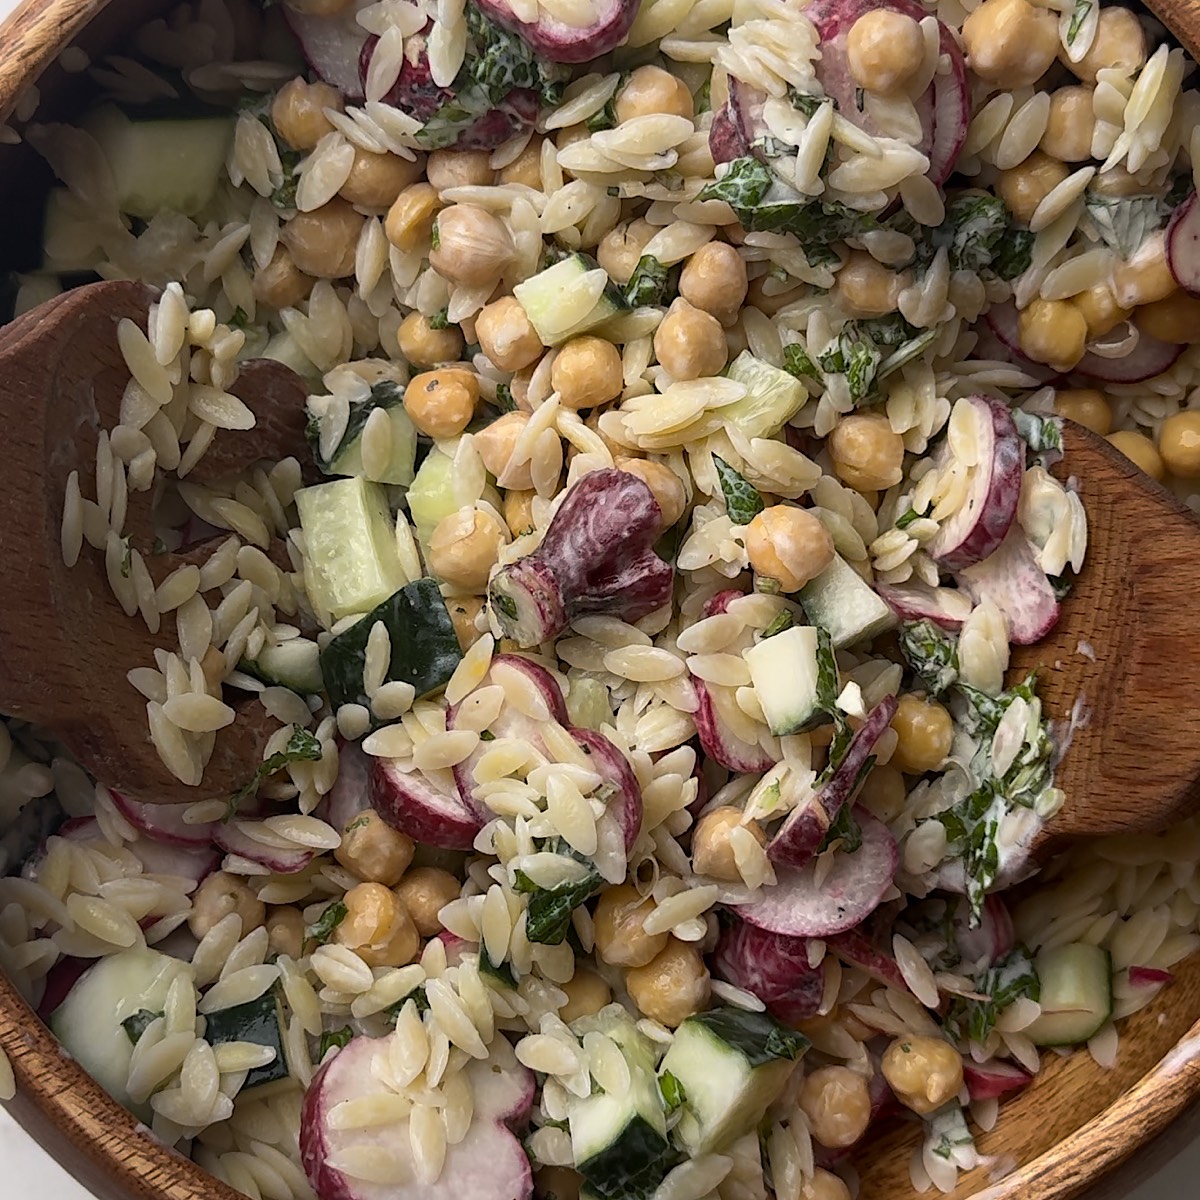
(66, 646)
(1124, 648)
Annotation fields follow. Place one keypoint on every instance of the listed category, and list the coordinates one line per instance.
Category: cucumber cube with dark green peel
(259, 1021)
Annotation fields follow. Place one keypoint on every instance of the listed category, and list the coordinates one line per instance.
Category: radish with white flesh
(800, 906)
(1012, 580)
(233, 840)
(945, 607)
(601, 27)
(991, 939)
(597, 556)
(994, 1079)
(409, 802)
(859, 950)
(623, 809)
(157, 858)
(1148, 359)
(716, 712)
(332, 45)
(806, 826)
(1183, 245)
(993, 489)
(773, 967)
(487, 1164)
(163, 822)
(351, 791)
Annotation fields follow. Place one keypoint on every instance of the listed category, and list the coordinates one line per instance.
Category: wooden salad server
(66, 646)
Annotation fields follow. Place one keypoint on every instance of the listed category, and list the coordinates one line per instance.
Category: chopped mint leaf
(797, 362)
(909, 517)
(742, 500)
(785, 620)
(504, 398)
(301, 747)
(1039, 433)
(1010, 979)
(138, 1023)
(1123, 223)
(606, 118)
(1079, 14)
(651, 283)
(932, 653)
(671, 1090)
(323, 929)
(440, 319)
(1014, 253)
(334, 1037)
(550, 909)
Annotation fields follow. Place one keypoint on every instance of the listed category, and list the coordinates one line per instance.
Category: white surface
(29, 1171)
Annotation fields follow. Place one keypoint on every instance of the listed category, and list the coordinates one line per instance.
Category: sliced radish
(993, 1079)
(716, 709)
(1013, 581)
(1147, 359)
(487, 1164)
(456, 947)
(1183, 245)
(157, 858)
(60, 979)
(332, 45)
(802, 832)
(773, 967)
(991, 939)
(409, 802)
(943, 606)
(994, 486)
(801, 906)
(230, 836)
(1002, 323)
(1140, 977)
(624, 808)
(556, 40)
(351, 791)
(164, 822)
(721, 602)
(726, 141)
(859, 950)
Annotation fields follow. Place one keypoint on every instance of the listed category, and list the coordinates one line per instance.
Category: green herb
(506, 604)
(385, 394)
(332, 915)
(440, 319)
(911, 349)
(854, 358)
(970, 232)
(137, 1024)
(797, 362)
(932, 653)
(417, 996)
(504, 398)
(284, 196)
(948, 1130)
(435, 238)
(1123, 223)
(785, 620)
(606, 118)
(1079, 14)
(334, 1037)
(806, 104)
(486, 735)
(1040, 434)
(742, 500)
(704, 98)
(845, 827)
(550, 909)
(501, 972)
(239, 319)
(829, 687)
(301, 747)
(909, 517)
(892, 330)
(1010, 979)
(126, 558)
(651, 283)
(1014, 253)
(671, 1090)
(358, 823)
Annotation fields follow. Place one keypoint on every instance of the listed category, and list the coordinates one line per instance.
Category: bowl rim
(107, 1147)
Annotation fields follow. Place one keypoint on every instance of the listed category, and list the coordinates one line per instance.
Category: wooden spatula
(1126, 648)
(65, 644)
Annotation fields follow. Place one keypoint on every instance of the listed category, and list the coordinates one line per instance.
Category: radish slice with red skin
(351, 792)
(1149, 977)
(857, 949)
(773, 967)
(945, 607)
(488, 1164)
(233, 840)
(716, 734)
(332, 46)
(799, 906)
(726, 139)
(991, 1080)
(60, 979)
(625, 806)
(456, 947)
(157, 858)
(407, 801)
(994, 488)
(1012, 580)
(563, 43)
(802, 832)
(163, 822)
(992, 938)
(1183, 245)
(1148, 359)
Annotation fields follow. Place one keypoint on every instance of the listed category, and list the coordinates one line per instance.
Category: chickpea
(789, 545)
(586, 993)
(219, 895)
(373, 850)
(925, 731)
(495, 445)
(410, 219)
(464, 547)
(459, 168)
(1053, 332)
(471, 247)
(1010, 41)
(1174, 318)
(884, 49)
(884, 793)
(377, 927)
(1146, 277)
(323, 242)
(1179, 444)
(620, 939)
(376, 180)
(711, 851)
(1025, 186)
(463, 611)
(868, 455)
(424, 892)
(714, 279)
(1070, 126)
(587, 373)
(1117, 182)
(1085, 406)
(298, 112)
(837, 1104)
(423, 346)
(651, 90)
(1100, 309)
(526, 168)
(1140, 451)
(824, 1185)
(1120, 43)
(867, 288)
(281, 284)
(672, 986)
(556, 1183)
(442, 403)
(286, 932)
(506, 335)
(620, 248)
(690, 343)
(667, 487)
(924, 1072)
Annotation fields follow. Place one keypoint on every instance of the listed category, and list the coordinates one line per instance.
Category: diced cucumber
(431, 494)
(569, 298)
(294, 664)
(842, 602)
(732, 1065)
(347, 459)
(785, 672)
(350, 561)
(1076, 994)
(174, 165)
(259, 1021)
(69, 238)
(617, 1139)
(90, 1021)
(772, 399)
(589, 703)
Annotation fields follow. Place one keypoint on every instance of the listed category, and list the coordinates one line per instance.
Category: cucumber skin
(633, 1154)
(256, 1021)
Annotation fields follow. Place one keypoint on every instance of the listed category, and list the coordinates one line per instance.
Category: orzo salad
(683, 381)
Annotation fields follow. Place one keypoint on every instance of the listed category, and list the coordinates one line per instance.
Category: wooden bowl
(1077, 1123)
